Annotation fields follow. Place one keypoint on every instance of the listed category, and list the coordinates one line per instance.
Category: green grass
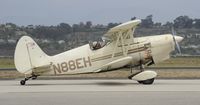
(180, 62)
(119, 74)
(123, 73)
(172, 62)
(6, 63)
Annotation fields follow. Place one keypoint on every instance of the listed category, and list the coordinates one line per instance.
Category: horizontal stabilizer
(41, 69)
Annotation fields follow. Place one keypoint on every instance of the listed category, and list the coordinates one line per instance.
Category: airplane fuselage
(118, 48)
(84, 60)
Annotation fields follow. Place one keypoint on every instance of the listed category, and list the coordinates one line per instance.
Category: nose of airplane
(178, 38)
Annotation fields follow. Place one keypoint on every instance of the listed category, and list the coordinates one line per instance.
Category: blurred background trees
(64, 36)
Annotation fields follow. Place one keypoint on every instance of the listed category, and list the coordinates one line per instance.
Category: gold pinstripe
(118, 54)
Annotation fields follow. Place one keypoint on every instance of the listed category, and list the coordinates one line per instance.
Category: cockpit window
(95, 45)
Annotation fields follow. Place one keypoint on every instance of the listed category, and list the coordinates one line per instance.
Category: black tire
(22, 82)
(147, 82)
(140, 82)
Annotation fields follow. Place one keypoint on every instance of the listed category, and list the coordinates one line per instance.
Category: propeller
(176, 40)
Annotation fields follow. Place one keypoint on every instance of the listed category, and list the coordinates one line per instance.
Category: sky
(53, 12)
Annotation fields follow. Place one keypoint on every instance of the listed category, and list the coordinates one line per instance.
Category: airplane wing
(116, 64)
(122, 35)
(125, 27)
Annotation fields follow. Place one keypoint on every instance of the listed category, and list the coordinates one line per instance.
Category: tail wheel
(147, 82)
(22, 82)
(33, 76)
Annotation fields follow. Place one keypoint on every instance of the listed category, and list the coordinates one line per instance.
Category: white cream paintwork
(162, 45)
(159, 52)
(29, 57)
(145, 75)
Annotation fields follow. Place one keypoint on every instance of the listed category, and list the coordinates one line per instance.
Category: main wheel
(147, 82)
(22, 82)
(140, 82)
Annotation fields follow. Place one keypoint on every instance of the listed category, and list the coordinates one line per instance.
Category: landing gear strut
(143, 77)
(23, 82)
(141, 67)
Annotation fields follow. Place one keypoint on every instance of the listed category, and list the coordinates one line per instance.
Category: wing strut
(121, 38)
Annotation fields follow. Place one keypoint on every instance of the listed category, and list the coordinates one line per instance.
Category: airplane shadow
(101, 83)
(113, 83)
(92, 83)
(104, 84)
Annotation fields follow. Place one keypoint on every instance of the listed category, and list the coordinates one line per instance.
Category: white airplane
(119, 48)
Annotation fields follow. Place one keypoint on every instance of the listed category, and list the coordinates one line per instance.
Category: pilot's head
(94, 43)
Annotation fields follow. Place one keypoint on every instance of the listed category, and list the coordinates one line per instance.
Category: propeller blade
(176, 40)
(176, 43)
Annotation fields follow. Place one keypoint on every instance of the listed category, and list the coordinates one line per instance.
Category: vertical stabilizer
(28, 55)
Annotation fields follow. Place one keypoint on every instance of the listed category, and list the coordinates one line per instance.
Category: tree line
(60, 31)
(64, 36)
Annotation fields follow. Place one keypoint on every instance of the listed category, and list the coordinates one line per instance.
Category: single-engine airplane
(118, 48)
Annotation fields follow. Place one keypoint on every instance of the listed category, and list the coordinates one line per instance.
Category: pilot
(96, 45)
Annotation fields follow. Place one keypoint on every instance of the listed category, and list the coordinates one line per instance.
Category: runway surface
(100, 92)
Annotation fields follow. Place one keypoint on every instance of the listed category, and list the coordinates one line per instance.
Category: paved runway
(100, 92)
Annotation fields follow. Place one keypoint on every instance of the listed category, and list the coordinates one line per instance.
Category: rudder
(28, 55)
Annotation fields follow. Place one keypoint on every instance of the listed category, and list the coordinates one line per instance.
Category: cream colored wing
(122, 28)
(116, 64)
